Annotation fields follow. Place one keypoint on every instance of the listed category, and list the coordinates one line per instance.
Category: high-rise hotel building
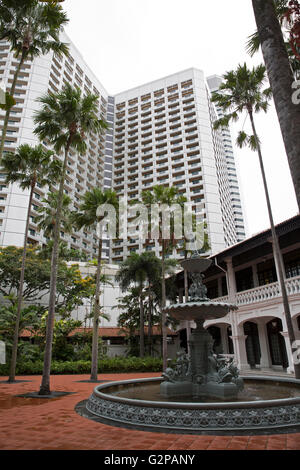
(37, 77)
(160, 133)
(214, 82)
(164, 136)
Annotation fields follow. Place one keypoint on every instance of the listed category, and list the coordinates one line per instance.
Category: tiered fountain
(202, 392)
(202, 374)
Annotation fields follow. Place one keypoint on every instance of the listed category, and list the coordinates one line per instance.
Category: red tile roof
(108, 332)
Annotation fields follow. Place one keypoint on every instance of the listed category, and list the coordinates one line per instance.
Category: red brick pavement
(42, 424)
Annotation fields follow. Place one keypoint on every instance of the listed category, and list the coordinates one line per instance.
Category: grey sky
(130, 42)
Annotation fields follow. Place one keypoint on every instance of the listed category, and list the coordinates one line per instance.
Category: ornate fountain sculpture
(202, 374)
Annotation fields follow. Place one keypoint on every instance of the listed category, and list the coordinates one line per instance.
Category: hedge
(115, 364)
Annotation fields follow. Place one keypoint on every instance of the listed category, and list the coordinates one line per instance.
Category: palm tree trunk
(163, 312)
(94, 366)
(142, 325)
(186, 295)
(281, 79)
(7, 114)
(45, 385)
(276, 252)
(150, 322)
(13, 363)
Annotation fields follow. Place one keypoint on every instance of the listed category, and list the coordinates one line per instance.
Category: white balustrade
(263, 293)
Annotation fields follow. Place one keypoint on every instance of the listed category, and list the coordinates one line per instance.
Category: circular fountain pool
(266, 404)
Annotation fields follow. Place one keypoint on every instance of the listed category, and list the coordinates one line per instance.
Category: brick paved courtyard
(42, 424)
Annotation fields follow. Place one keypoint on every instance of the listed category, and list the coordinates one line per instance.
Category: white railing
(263, 293)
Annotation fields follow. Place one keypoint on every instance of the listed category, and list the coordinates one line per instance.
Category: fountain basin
(110, 403)
(196, 265)
(194, 311)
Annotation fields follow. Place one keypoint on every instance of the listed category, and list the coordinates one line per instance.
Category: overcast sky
(131, 42)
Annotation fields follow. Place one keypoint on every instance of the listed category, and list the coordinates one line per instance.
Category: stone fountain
(202, 392)
(201, 374)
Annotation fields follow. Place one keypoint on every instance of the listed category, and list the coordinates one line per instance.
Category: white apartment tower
(164, 136)
(50, 73)
(160, 133)
(214, 82)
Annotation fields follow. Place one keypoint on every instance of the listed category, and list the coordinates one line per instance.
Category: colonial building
(245, 274)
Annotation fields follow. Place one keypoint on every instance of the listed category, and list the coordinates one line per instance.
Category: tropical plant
(87, 216)
(32, 29)
(37, 275)
(280, 59)
(28, 166)
(64, 120)
(242, 91)
(167, 197)
(129, 318)
(65, 253)
(46, 220)
(62, 349)
(138, 269)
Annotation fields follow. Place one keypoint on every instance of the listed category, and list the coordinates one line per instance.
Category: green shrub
(105, 365)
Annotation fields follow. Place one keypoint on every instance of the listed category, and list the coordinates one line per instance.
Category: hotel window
(293, 269)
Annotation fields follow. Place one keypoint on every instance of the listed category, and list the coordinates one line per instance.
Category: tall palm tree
(139, 269)
(281, 80)
(46, 220)
(241, 91)
(28, 166)
(87, 217)
(32, 29)
(65, 118)
(168, 196)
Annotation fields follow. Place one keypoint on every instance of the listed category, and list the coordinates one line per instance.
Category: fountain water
(202, 392)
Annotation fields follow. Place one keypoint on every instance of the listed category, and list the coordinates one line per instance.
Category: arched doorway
(277, 344)
(252, 343)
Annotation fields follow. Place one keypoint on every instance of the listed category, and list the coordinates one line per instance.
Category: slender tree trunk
(150, 322)
(163, 312)
(45, 384)
(7, 114)
(276, 251)
(142, 324)
(13, 363)
(281, 79)
(94, 367)
(186, 295)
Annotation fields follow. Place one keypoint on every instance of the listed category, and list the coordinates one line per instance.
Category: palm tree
(32, 29)
(87, 217)
(28, 166)
(168, 196)
(64, 120)
(138, 269)
(281, 80)
(46, 221)
(242, 91)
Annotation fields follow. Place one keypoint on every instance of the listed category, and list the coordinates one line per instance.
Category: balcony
(264, 293)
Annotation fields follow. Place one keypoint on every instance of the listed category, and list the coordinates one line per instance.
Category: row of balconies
(157, 121)
(150, 96)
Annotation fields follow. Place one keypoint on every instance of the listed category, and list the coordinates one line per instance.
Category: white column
(290, 368)
(239, 346)
(231, 280)
(220, 293)
(265, 360)
(296, 329)
(224, 338)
